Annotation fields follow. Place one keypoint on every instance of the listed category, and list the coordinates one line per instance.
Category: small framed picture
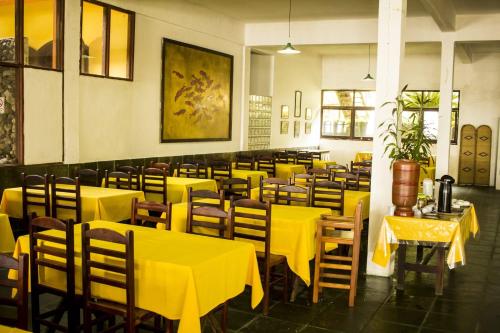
(307, 127)
(308, 113)
(284, 127)
(297, 111)
(284, 112)
(296, 128)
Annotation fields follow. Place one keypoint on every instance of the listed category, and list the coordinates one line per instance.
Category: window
(107, 41)
(349, 114)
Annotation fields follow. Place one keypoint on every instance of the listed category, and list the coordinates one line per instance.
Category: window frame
(107, 27)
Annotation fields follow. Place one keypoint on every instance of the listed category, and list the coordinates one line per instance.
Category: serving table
(7, 329)
(6, 235)
(397, 232)
(97, 203)
(177, 275)
(363, 156)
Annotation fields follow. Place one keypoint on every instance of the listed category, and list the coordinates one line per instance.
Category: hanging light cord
(369, 58)
(289, 18)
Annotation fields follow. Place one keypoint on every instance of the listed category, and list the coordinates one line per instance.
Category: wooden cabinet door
(483, 156)
(466, 166)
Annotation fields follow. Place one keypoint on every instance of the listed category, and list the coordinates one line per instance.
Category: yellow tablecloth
(177, 188)
(178, 275)
(293, 230)
(97, 203)
(254, 174)
(320, 164)
(6, 235)
(456, 233)
(351, 199)
(363, 156)
(6, 329)
(285, 171)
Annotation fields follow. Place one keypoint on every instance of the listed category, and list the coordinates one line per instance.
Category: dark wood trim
(162, 113)
(106, 35)
(20, 81)
(43, 68)
(105, 77)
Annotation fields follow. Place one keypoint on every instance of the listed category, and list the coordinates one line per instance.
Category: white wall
(296, 72)
(261, 74)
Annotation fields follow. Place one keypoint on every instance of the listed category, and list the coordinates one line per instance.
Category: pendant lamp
(289, 49)
(368, 76)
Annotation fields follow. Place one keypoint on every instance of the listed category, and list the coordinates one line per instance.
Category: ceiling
(277, 10)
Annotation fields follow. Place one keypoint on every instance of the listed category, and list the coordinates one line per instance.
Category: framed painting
(296, 128)
(308, 112)
(197, 89)
(284, 127)
(307, 127)
(284, 112)
(298, 104)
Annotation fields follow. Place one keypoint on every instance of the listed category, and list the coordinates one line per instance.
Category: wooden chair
(365, 178)
(328, 194)
(305, 159)
(281, 157)
(187, 170)
(162, 165)
(35, 193)
(332, 271)
(267, 164)
(136, 175)
(245, 162)
(291, 156)
(118, 179)
(61, 250)
(260, 230)
(89, 177)
(302, 179)
(351, 180)
(294, 194)
(117, 271)
(66, 196)
(268, 189)
(140, 219)
(154, 181)
(336, 168)
(221, 170)
(212, 219)
(319, 173)
(20, 300)
(238, 188)
(206, 198)
(357, 165)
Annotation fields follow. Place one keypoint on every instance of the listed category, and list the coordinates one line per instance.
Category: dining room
(234, 166)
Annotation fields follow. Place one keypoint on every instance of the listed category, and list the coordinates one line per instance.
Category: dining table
(293, 231)
(253, 174)
(97, 203)
(286, 171)
(177, 275)
(362, 156)
(6, 235)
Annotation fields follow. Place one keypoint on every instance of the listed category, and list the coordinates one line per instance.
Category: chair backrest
(336, 168)
(351, 180)
(59, 246)
(118, 179)
(164, 213)
(208, 221)
(206, 198)
(281, 157)
(251, 219)
(245, 162)
(294, 194)
(328, 194)
(238, 188)
(268, 189)
(319, 173)
(66, 196)
(365, 178)
(302, 179)
(221, 170)
(291, 156)
(267, 163)
(89, 177)
(154, 181)
(20, 284)
(116, 269)
(188, 170)
(35, 192)
(356, 165)
(135, 172)
(304, 158)
(161, 165)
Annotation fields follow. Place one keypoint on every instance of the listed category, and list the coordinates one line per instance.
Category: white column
(446, 95)
(390, 54)
(71, 82)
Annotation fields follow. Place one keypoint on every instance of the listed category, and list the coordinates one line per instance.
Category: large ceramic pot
(406, 174)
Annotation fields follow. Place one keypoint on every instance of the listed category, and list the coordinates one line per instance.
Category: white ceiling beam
(443, 13)
(464, 53)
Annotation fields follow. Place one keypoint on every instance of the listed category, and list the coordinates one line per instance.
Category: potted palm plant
(407, 142)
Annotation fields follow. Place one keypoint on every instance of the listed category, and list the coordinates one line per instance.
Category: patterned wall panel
(467, 155)
(483, 156)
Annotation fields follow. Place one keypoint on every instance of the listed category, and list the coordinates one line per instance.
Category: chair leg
(35, 311)
(170, 326)
(267, 277)
(223, 322)
(87, 321)
(285, 282)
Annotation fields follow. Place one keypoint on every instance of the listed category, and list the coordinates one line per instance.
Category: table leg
(401, 266)
(440, 270)
(420, 253)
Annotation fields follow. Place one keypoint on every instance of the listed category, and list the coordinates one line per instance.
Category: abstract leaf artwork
(196, 93)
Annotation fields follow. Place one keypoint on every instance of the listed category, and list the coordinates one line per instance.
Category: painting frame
(284, 112)
(284, 124)
(296, 128)
(297, 110)
(308, 113)
(307, 128)
(228, 93)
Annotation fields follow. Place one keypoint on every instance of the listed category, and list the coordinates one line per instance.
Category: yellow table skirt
(254, 174)
(320, 164)
(286, 171)
(6, 329)
(6, 235)
(363, 156)
(177, 275)
(293, 230)
(97, 203)
(456, 233)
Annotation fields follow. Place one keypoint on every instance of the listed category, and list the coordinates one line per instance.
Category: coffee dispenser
(444, 199)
